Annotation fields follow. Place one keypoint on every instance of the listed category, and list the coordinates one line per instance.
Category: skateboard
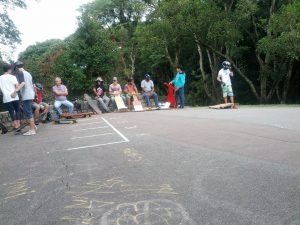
(120, 103)
(19, 130)
(137, 105)
(65, 121)
(78, 115)
(3, 129)
(92, 104)
(224, 106)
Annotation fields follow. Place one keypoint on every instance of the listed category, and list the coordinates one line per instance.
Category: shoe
(35, 127)
(30, 133)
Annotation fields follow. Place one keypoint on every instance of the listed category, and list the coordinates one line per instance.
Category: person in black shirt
(100, 94)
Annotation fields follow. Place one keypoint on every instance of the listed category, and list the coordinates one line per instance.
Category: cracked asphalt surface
(174, 167)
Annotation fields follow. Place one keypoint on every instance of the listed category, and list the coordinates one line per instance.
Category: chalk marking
(129, 128)
(93, 146)
(94, 128)
(117, 131)
(83, 124)
(122, 122)
(96, 135)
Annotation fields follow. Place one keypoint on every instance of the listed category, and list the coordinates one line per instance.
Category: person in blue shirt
(179, 83)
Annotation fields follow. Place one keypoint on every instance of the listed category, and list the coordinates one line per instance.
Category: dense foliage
(261, 38)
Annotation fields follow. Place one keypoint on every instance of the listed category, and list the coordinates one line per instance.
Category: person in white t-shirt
(224, 77)
(8, 84)
(148, 88)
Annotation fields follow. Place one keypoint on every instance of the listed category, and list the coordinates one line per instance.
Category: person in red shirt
(39, 107)
(130, 90)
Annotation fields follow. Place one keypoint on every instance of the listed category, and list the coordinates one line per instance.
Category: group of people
(32, 94)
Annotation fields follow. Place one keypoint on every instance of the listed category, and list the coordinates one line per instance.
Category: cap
(99, 79)
(115, 78)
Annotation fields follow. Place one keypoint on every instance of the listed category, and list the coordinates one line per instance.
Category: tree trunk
(287, 81)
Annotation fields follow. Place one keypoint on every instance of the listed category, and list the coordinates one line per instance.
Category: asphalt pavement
(194, 166)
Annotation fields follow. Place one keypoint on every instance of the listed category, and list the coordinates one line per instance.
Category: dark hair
(6, 68)
(179, 67)
(130, 79)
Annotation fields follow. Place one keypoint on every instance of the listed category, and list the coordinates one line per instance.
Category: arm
(231, 73)
(219, 78)
(95, 92)
(126, 89)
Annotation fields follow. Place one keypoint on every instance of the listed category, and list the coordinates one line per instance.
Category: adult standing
(179, 83)
(60, 92)
(27, 94)
(8, 84)
(148, 89)
(100, 94)
(224, 78)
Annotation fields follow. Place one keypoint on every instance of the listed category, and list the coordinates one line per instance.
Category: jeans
(58, 104)
(27, 107)
(13, 109)
(112, 98)
(148, 95)
(179, 94)
(104, 102)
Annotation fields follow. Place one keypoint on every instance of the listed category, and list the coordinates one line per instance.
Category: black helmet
(147, 76)
(19, 64)
(226, 65)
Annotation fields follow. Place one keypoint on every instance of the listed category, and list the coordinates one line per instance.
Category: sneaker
(30, 133)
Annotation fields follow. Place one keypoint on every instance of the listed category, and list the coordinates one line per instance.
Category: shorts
(27, 107)
(227, 91)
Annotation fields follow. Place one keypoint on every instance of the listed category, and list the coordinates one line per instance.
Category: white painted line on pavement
(93, 146)
(93, 128)
(116, 130)
(96, 135)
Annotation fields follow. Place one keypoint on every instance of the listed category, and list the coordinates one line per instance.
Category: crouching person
(61, 92)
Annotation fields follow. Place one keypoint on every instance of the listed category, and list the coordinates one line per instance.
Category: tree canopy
(125, 38)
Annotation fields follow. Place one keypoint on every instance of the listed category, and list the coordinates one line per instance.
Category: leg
(106, 100)
(112, 99)
(230, 93)
(69, 105)
(155, 97)
(225, 93)
(29, 116)
(36, 109)
(10, 108)
(177, 97)
(181, 96)
(128, 101)
(57, 105)
(147, 99)
(17, 113)
(102, 104)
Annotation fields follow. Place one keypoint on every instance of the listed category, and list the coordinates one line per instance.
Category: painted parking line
(93, 128)
(124, 139)
(91, 136)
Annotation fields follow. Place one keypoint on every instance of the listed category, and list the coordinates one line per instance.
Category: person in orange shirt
(130, 89)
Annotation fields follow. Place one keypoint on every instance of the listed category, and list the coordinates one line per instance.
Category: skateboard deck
(165, 105)
(224, 106)
(65, 121)
(92, 104)
(137, 105)
(78, 115)
(120, 103)
(19, 130)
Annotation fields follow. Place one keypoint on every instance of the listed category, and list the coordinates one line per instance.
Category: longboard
(120, 103)
(78, 115)
(224, 106)
(65, 121)
(19, 130)
(92, 104)
(137, 105)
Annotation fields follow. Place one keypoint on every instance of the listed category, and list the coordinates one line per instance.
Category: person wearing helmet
(100, 94)
(27, 93)
(38, 105)
(179, 83)
(114, 90)
(148, 89)
(224, 78)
